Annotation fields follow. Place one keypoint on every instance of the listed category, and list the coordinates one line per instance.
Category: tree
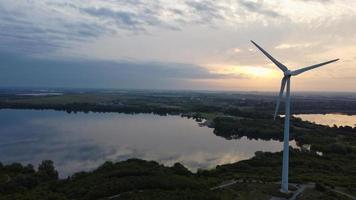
(46, 171)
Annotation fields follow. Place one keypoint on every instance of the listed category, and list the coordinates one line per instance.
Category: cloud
(207, 10)
(121, 18)
(236, 50)
(44, 27)
(289, 46)
(35, 72)
(29, 28)
(318, 1)
(37, 27)
(259, 8)
(134, 21)
(202, 32)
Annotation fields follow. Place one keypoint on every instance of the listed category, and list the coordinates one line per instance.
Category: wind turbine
(286, 81)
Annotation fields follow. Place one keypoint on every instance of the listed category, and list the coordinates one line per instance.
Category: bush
(320, 187)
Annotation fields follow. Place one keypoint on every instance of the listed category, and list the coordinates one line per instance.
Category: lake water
(330, 119)
(77, 142)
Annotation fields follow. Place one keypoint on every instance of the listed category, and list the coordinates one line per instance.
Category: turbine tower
(286, 81)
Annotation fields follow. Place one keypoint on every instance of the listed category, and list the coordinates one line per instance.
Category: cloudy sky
(176, 44)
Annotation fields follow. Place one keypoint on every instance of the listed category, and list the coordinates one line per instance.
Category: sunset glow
(258, 71)
(246, 71)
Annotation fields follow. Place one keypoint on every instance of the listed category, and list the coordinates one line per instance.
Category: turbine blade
(276, 62)
(283, 85)
(299, 71)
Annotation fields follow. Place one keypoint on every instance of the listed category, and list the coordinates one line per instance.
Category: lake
(330, 119)
(77, 142)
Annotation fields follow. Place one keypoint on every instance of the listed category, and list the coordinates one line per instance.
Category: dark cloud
(53, 26)
(19, 34)
(60, 25)
(258, 8)
(134, 21)
(207, 10)
(31, 72)
(122, 19)
(30, 33)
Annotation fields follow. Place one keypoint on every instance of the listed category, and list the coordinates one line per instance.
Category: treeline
(89, 107)
(234, 128)
(139, 179)
(305, 166)
(127, 179)
(16, 179)
(328, 140)
(104, 108)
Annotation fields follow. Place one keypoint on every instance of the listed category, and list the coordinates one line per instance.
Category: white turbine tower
(286, 80)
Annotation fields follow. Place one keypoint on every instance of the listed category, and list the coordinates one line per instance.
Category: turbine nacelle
(288, 73)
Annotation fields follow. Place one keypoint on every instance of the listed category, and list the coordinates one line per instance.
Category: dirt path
(224, 185)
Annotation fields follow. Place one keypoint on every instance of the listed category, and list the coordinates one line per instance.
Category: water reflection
(83, 141)
(330, 119)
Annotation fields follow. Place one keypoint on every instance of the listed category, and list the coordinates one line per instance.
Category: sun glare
(257, 71)
(248, 71)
